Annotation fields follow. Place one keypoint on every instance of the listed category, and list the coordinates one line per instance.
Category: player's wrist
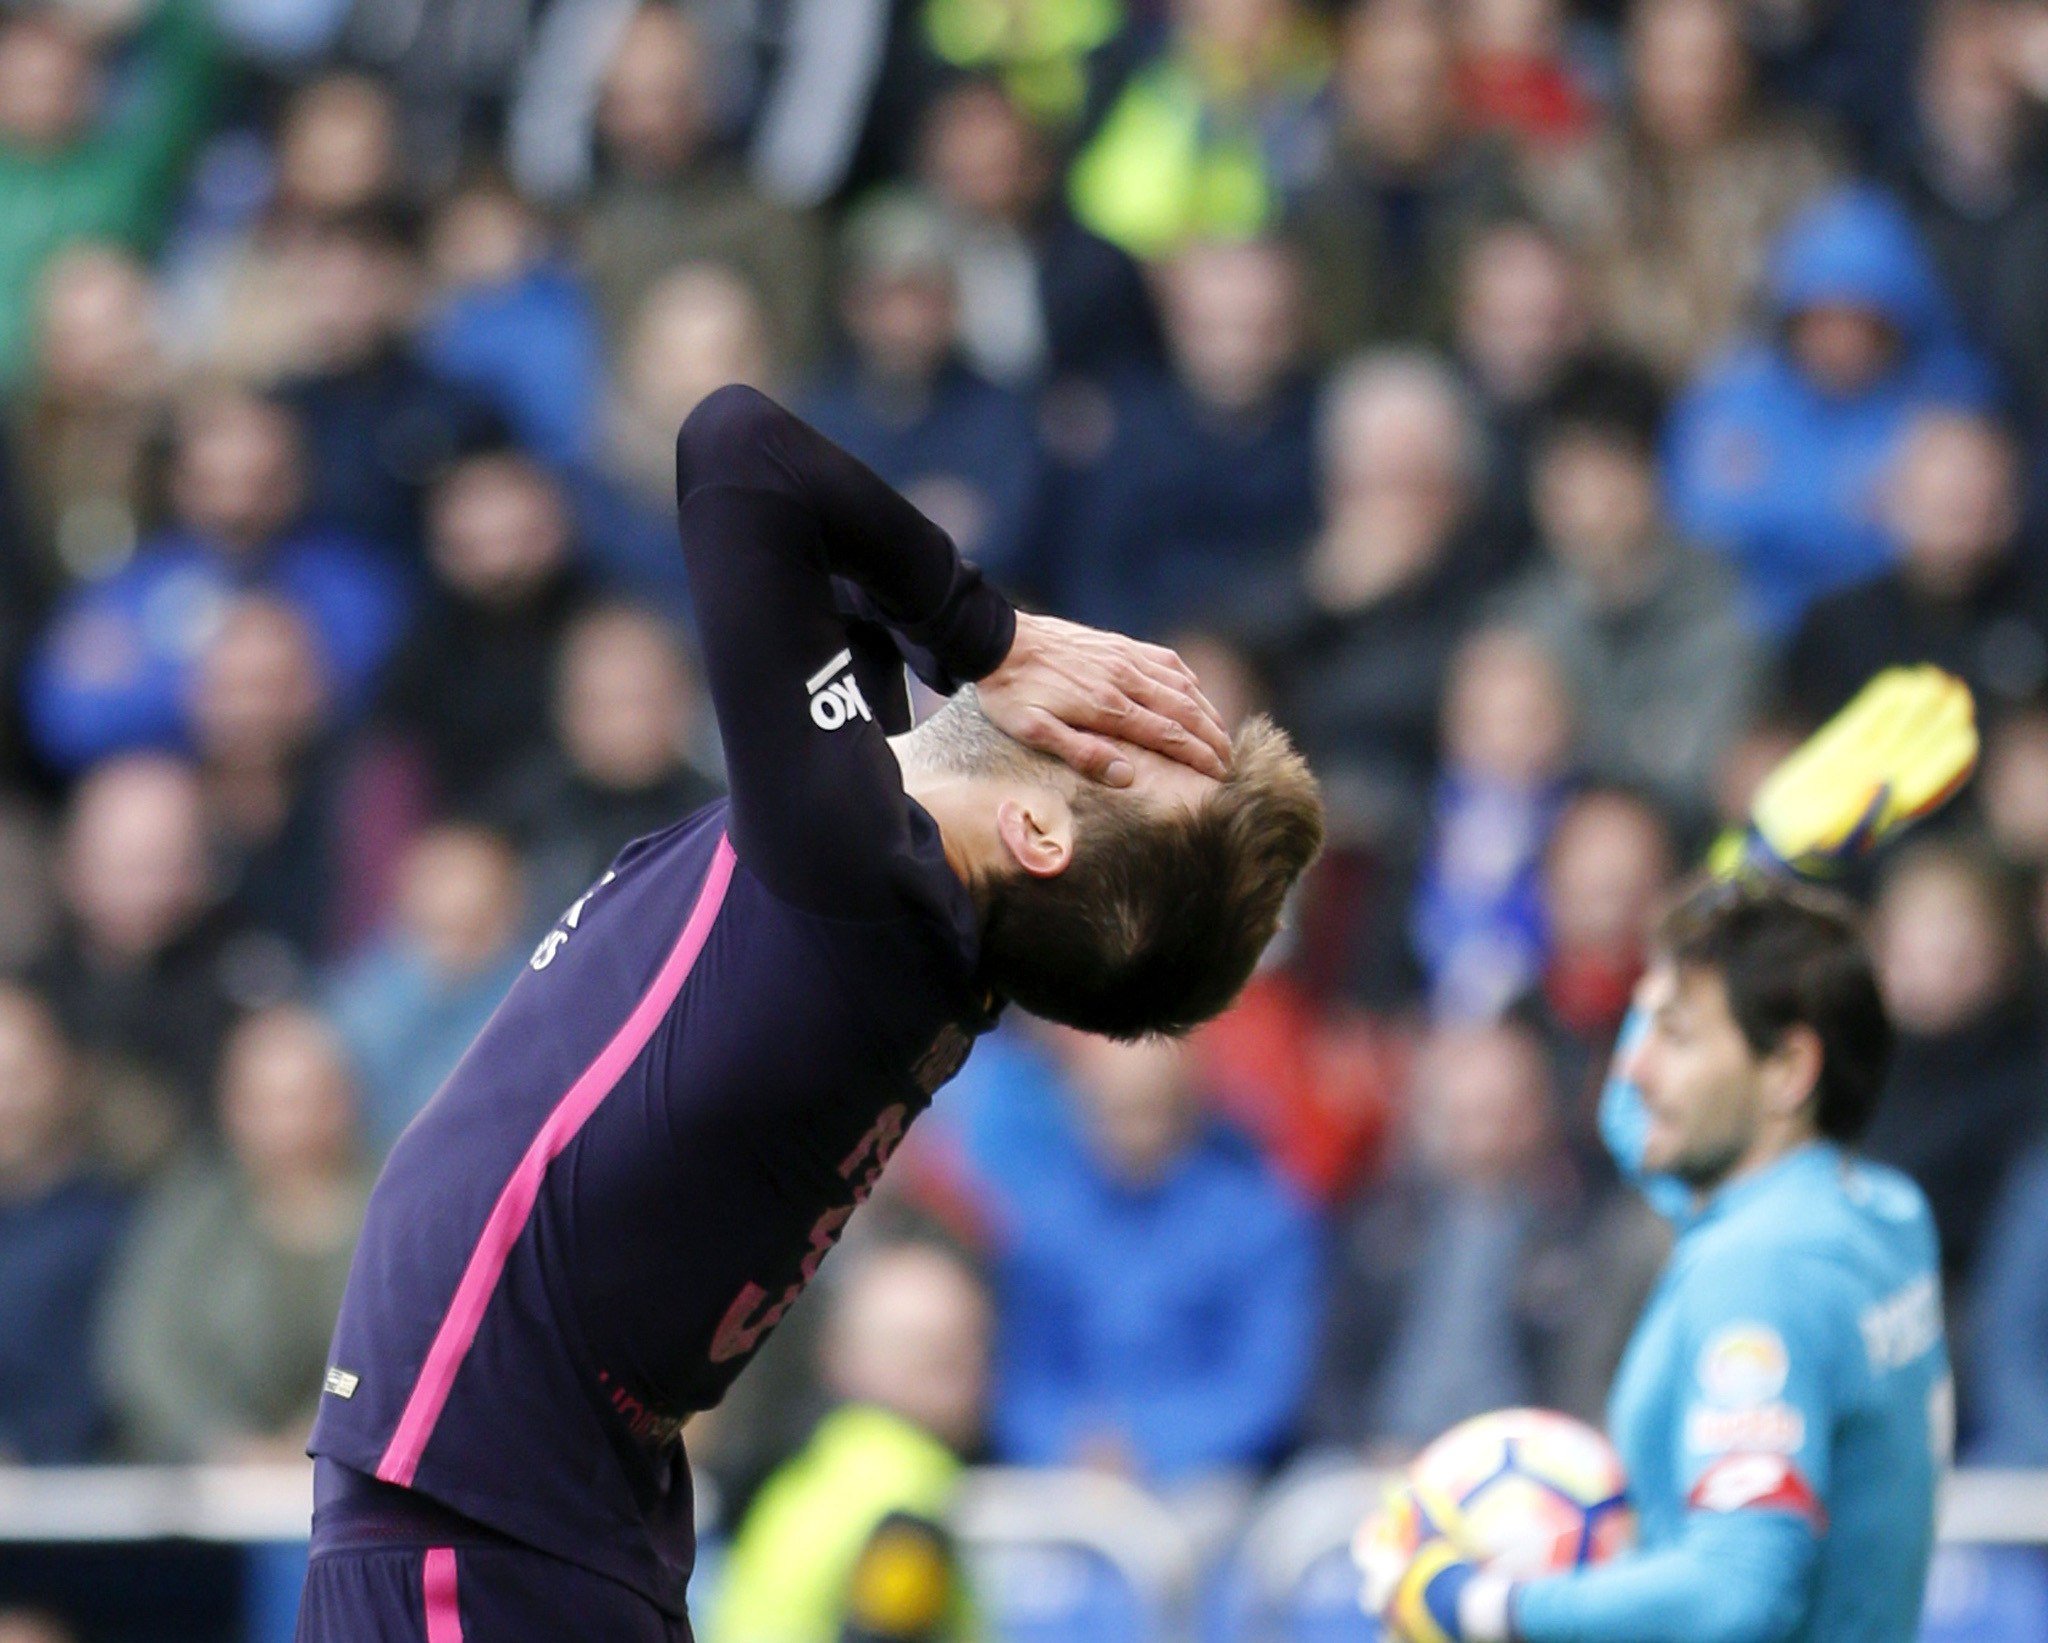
(1486, 1609)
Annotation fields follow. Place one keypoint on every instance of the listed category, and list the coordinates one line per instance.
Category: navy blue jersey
(645, 1155)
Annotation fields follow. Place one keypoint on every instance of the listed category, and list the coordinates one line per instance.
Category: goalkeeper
(1784, 1408)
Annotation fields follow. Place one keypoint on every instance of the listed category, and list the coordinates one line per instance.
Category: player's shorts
(388, 1566)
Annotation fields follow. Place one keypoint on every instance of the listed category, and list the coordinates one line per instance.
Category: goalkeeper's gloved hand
(1442, 1598)
(1896, 753)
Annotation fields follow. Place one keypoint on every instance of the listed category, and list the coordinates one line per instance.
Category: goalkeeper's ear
(1791, 1072)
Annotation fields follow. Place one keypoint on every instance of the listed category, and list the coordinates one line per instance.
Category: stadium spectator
(1514, 75)
(1202, 478)
(1039, 296)
(60, 1218)
(1155, 1281)
(88, 426)
(627, 720)
(698, 327)
(1522, 325)
(1611, 860)
(468, 690)
(1356, 645)
(1970, 175)
(1509, 747)
(1382, 230)
(359, 286)
(408, 1006)
(1053, 59)
(338, 149)
(1675, 204)
(906, 1354)
(905, 401)
(1967, 591)
(2006, 1381)
(146, 967)
(1209, 138)
(1646, 628)
(452, 78)
(114, 670)
(78, 162)
(235, 296)
(1522, 315)
(1312, 1081)
(216, 1330)
(512, 323)
(286, 815)
(1777, 454)
(664, 195)
(1967, 1070)
(2012, 788)
(1480, 1275)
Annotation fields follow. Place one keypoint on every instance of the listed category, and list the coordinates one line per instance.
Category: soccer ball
(1522, 1492)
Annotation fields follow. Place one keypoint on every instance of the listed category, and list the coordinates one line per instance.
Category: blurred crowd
(1546, 410)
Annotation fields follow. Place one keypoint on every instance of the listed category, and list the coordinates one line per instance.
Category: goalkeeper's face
(1715, 1107)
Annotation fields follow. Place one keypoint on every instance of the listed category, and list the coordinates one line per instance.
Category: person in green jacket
(1209, 139)
(71, 170)
(848, 1539)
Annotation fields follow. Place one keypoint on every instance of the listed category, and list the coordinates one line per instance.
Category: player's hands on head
(1077, 692)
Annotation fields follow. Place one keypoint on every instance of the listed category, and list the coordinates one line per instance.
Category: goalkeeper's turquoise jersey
(1784, 1411)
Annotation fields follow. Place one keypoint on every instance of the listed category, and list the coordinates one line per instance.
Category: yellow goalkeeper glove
(1896, 753)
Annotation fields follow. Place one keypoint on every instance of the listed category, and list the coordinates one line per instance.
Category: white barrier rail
(274, 1503)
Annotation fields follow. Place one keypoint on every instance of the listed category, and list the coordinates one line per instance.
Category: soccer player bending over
(664, 1129)
(1784, 1408)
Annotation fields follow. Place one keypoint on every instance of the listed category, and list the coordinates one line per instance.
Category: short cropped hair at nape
(1159, 919)
(1790, 955)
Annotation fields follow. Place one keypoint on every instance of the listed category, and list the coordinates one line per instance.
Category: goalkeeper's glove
(1443, 1598)
(1896, 753)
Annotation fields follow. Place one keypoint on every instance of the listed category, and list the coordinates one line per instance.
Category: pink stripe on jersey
(515, 1203)
(437, 1579)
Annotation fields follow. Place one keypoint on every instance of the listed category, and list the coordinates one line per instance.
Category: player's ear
(1792, 1070)
(1037, 829)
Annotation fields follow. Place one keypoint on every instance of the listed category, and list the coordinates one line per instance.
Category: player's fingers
(1188, 683)
(1204, 743)
(1176, 728)
(1096, 757)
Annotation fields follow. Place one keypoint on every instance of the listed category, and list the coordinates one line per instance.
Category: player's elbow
(1748, 1616)
(1759, 1597)
(727, 438)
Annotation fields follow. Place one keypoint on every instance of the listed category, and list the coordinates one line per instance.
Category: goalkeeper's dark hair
(1789, 955)
(1158, 919)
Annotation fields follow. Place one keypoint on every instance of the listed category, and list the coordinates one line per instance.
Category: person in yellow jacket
(847, 1541)
(1206, 141)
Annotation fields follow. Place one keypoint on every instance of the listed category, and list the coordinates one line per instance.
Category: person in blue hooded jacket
(1156, 1282)
(1777, 454)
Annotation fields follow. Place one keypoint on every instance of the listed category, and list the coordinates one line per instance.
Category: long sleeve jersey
(1784, 1411)
(642, 1160)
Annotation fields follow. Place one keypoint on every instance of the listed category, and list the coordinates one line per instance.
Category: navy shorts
(389, 1566)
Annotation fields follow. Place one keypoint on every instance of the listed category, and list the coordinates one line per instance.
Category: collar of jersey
(1802, 1162)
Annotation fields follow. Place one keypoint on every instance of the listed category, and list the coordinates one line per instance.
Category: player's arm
(770, 513)
(1767, 1354)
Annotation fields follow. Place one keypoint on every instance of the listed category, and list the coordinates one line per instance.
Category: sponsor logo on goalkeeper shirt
(1744, 1366)
(1772, 1429)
